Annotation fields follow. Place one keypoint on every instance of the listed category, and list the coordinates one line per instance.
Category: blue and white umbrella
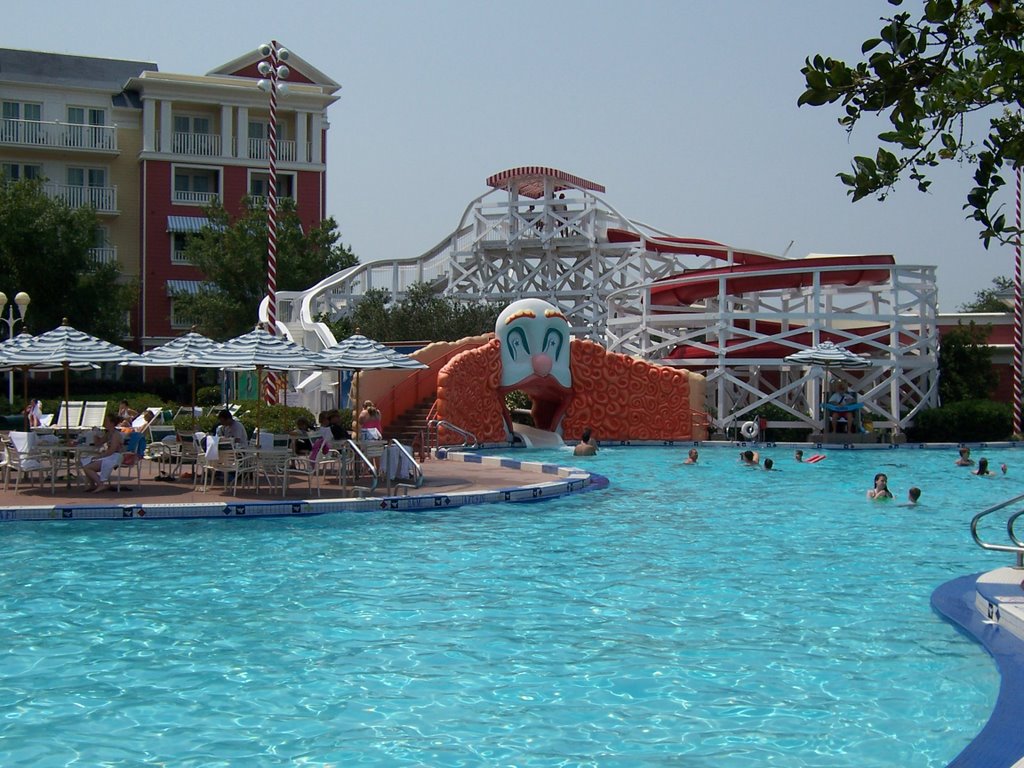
(65, 347)
(358, 353)
(185, 351)
(259, 350)
(827, 355)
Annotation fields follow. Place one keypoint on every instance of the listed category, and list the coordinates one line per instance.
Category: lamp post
(273, 72)
(22, 301)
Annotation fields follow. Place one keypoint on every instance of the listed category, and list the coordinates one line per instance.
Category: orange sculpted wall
(618, 397)
(622, 398)
(467, 395)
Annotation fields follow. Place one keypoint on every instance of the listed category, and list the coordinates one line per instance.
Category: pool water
(713, 615)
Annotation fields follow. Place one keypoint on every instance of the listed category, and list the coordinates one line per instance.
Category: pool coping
(1001, 741)
(558, 482)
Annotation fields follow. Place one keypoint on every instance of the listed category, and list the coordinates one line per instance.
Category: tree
(965, 364)
(928, 76)
(44, 251)
(422, 315)
(233, 256)
(990, 299)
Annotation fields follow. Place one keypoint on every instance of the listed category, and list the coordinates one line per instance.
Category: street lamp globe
(22, 300)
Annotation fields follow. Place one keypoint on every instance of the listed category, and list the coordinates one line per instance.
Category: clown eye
(553, 343)
(518, 346)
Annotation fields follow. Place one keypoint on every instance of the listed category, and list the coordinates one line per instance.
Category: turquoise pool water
(703, 616)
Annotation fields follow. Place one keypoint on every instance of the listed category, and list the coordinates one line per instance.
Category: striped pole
(1017, 309)
(270, 390)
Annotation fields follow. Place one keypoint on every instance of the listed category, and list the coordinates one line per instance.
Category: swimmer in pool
(691, 457)
(881, 489)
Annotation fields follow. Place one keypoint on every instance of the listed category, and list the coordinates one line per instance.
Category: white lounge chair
(93, 413)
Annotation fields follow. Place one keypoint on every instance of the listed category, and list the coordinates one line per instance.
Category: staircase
(411, 425)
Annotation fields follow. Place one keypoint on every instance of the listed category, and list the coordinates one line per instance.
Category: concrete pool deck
(458, 480)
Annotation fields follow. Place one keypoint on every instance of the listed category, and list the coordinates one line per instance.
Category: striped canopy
(259, 350)
(358, 353)
(828, 355)
(63, 346)
(20, 340)
(187, 350)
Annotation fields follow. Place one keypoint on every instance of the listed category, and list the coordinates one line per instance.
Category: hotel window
(195, 186)
(18, 171)
(20, 121)
(180, 319)
(259, 184)
(179, 242)
(191, 124)
(92, 132)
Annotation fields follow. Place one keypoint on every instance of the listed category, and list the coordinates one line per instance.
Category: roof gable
(301, 70)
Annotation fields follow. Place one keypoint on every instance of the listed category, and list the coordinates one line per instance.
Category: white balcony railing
(261, 201)
(105, 255)
(56, 135)
(103, 199)
(193, 198)
(259, 149)
(200, 144)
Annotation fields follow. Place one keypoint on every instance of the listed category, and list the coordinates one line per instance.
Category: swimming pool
(713, 615)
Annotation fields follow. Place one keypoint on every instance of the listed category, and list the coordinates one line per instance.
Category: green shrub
(967, 421)
(208, 396)
(770, 412)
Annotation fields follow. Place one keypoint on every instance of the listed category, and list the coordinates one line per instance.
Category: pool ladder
(1017, 547)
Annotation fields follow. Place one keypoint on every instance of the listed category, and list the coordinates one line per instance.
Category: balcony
(105, 255)
(259, 149)
(56, 135)
(103, 199)
(195, 144)
(193, 198)
(261, 201)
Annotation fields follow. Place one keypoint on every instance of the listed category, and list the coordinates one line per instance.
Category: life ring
(749, 430)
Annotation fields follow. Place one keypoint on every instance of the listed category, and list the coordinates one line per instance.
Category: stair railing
(434, 435)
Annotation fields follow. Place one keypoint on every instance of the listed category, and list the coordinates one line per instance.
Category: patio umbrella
(66, 347)
(358, 353)
(188, 350)
(20, 340)
(828, 355)
(259, 350)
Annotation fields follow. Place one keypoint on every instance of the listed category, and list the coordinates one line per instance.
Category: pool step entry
(1000, 599)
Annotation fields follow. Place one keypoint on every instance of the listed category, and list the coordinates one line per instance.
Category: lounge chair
(93, 413)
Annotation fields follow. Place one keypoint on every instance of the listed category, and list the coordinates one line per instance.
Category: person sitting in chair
(840, 401)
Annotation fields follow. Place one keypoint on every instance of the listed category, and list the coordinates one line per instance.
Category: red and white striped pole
(1018, 369)
(275, 71)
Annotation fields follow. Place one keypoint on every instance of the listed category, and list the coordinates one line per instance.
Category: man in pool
(799, 455)
(965, 459)
(691, 457)
(587, 445)
(913, 495)
(750, 458)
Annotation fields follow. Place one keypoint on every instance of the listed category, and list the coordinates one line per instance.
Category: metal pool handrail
(1017, 547)
(434, 438)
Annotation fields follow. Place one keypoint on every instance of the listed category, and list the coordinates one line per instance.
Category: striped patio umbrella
(189, 351)
(65, 347)
(827, 355)
(260, 351)
(19, 341)
(358, 353)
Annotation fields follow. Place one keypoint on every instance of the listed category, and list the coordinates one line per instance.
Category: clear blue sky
(684, 109)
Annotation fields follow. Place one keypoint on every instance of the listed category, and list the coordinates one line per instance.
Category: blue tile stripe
(1000, 743)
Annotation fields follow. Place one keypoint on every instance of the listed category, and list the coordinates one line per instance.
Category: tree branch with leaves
(929, 76)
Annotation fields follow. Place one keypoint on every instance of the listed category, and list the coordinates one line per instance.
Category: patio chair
(232, 463)
(24, 459)
(93, 413)
(69, 414)
(131, 459)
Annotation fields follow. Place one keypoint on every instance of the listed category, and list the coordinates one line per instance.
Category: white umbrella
(828, 355)
(358, 353)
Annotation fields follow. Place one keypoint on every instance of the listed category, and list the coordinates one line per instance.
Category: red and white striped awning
(529, 180)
